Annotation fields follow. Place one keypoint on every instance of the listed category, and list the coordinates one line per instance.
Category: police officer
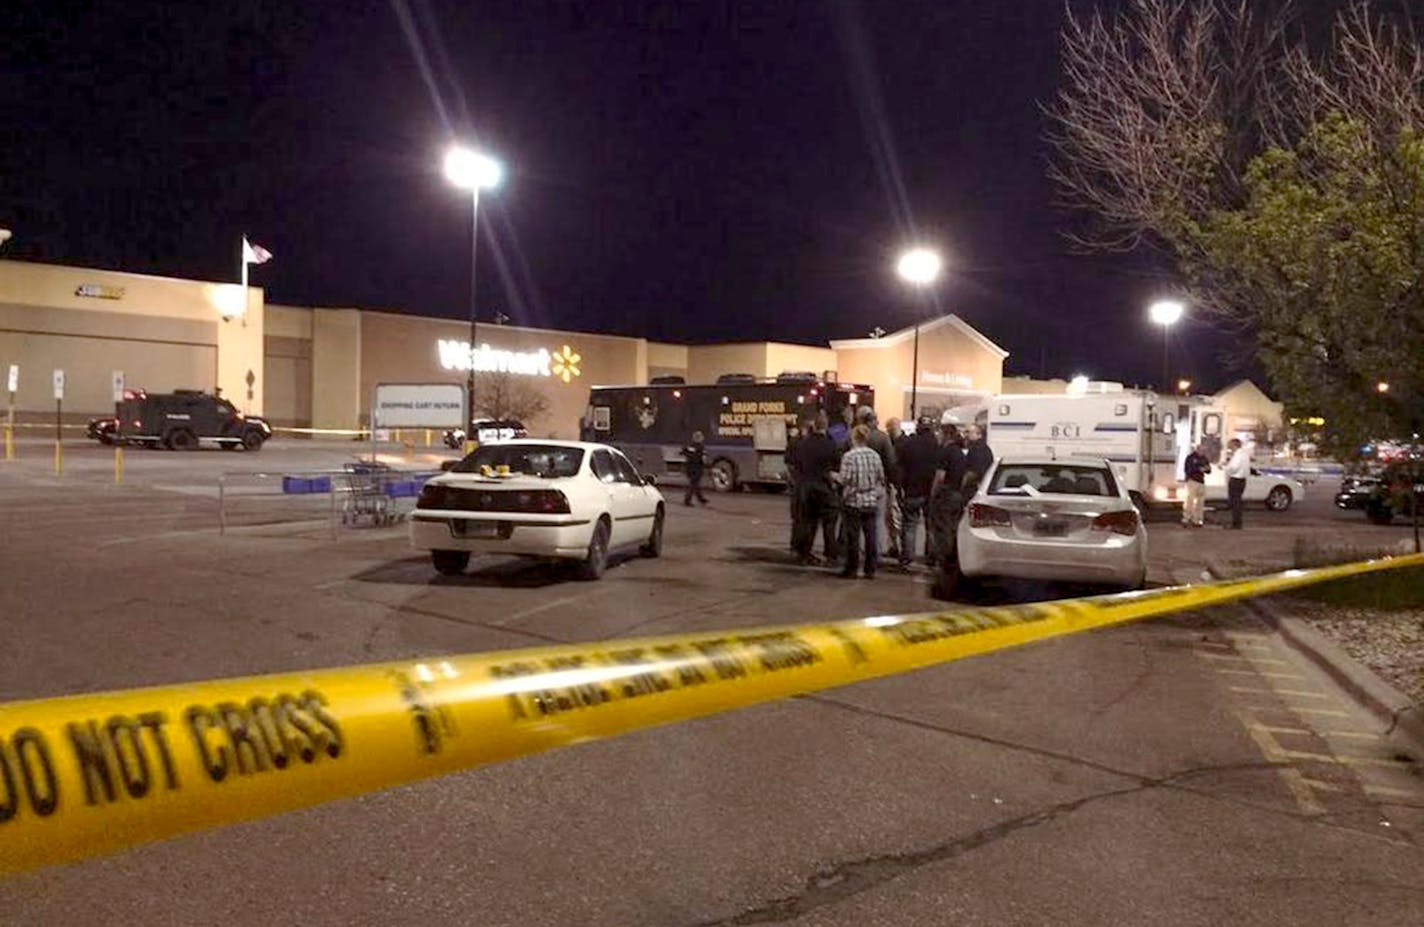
(919, 456)
(815, 458)
(694, 458)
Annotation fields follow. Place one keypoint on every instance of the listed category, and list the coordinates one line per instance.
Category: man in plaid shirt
(862, 479)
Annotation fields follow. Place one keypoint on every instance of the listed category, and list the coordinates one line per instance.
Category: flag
(255, 254)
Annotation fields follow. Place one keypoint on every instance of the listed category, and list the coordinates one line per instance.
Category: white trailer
(1124, 427)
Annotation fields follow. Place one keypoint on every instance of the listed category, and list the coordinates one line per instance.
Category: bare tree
(504, 395)
(1159, 113)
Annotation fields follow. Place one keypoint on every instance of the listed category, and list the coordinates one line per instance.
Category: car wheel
(252, 440)
(596, 562)
(106, 440)
(181, 439)
(654, 546)
(450, 562)
(1279, 499)
(724, 475)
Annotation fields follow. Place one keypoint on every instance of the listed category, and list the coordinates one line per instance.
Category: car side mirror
(649, 480)
(447, 465)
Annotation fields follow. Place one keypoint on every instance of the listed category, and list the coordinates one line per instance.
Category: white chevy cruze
(1068, 520)
(566, 500)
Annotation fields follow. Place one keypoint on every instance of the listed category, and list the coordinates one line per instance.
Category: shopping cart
(365, 487)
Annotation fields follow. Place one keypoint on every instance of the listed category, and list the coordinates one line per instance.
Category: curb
(1394, 709)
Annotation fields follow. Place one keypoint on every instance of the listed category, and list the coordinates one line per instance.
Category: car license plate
(463, 528)
(1050, 529)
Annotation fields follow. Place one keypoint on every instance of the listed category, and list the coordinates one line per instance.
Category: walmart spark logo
(565, 363)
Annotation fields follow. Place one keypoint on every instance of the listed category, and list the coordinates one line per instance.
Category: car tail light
(543, 501)
(138, 423)
(988, 516)
(1117, 522)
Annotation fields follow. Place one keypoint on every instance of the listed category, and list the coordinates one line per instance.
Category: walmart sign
(458, 355)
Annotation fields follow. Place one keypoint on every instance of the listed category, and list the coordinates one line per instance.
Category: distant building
(1249, 411)
(317, 367)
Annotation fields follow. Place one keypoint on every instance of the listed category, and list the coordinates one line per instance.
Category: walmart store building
(317, 367)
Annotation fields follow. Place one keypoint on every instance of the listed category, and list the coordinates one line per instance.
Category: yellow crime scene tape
(89, 774)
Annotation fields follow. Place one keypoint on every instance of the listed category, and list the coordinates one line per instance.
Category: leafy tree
(1287, 187)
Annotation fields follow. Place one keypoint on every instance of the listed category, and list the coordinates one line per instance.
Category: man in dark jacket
(977, 458)
(919, 459)
(813, 460)
(1195, 469)
(694, 458)
(947, 493)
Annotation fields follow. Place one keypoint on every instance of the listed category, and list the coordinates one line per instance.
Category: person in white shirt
(1238, 467)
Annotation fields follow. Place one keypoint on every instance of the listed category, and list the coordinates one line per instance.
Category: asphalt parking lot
(1190, 770)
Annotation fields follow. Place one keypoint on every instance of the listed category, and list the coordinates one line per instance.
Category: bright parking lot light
(472, 170)
(1381, 387)
(1183, 385)
(1166, 312)
(919, 266)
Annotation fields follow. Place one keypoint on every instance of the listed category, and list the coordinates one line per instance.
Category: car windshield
(1052, 479)
(547, 460)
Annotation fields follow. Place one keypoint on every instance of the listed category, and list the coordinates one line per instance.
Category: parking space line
(1325, 712)
(1255, 661)
(1298, 693)
(1386, 792)
(1358, 735)
(1322, 786)
(1295, 781)
(1267, 675)
(1343, 760)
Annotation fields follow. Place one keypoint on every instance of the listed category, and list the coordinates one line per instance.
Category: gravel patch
(1391, 643)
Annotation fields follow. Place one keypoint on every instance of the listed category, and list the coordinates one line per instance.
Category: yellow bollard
(9, 442)
(118, 464)
(427, 437)
(59, 458)
(398, 437)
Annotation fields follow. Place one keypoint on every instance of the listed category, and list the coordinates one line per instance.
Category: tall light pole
(920, 267)
(1166, 313)
(474, 171)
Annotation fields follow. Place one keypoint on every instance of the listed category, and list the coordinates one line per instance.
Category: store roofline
(130, 274)
(905, 334)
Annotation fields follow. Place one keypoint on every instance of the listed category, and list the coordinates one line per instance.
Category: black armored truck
(185, 419)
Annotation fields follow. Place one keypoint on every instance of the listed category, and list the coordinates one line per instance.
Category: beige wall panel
(26, 283)
(99, 324)
(336, 368)
(289, 400)
(667, 356)
(88, 365)
(288, 321)
(399, 348)
(785, 358)
(707, 362)
(240, 357)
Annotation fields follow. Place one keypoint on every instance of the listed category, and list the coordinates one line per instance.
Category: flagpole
(243, 258)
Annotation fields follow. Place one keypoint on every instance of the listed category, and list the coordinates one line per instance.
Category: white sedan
(1276, 493)
(1050, 520)
(564, 500)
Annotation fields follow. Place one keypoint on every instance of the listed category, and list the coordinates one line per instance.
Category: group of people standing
(1236, 463)
(845, 490)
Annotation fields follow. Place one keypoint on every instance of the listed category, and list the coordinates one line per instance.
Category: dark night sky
(685, 170)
